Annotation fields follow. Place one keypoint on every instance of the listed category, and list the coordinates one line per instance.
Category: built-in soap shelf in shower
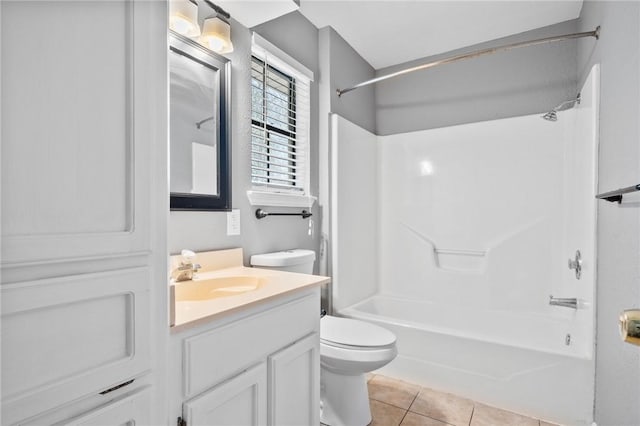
(460, 260)
(456, 260)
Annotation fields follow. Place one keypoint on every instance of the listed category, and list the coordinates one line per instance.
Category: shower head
(553, 114)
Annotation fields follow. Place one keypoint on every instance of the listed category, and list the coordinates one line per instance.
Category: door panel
(294, 384)
(241, 401)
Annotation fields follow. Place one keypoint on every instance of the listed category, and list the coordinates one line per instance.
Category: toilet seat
(354, 347)
(354, 334)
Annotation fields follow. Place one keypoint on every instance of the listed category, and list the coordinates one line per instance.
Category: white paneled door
(84, 106)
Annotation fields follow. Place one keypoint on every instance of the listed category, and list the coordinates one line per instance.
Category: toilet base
(344, 400)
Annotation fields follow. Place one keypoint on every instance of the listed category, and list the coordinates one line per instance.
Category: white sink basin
(214, 288)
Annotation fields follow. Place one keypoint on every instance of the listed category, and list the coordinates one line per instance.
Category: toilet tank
(296, 260)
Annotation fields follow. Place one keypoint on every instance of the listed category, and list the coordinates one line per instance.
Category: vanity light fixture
(216, 35)
(183, 17)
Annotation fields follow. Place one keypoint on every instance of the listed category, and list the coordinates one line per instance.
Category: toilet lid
(351, 332)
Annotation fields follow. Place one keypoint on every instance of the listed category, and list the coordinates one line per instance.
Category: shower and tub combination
(475, 245)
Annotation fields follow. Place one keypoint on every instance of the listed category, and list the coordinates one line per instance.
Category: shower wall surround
(354, 212)
(477, 222)
(486, 214)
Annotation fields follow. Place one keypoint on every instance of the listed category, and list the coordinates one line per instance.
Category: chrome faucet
(185, 271)
(187, 268)
(567, 302)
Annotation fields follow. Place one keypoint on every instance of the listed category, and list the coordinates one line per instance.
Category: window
(280, 112)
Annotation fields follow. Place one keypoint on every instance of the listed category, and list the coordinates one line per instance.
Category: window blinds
(280, 119)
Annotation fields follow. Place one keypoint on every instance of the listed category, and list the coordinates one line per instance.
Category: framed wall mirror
(199, 136)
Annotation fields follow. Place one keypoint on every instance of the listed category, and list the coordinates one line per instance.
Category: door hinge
(181, 422)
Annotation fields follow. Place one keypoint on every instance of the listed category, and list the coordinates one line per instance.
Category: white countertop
(275, 284)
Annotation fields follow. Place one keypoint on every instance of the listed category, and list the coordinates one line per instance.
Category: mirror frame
(205, 202)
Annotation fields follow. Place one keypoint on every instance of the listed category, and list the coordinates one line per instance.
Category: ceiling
(390, 32)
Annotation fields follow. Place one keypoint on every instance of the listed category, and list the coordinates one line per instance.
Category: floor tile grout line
(394, 389)
(432, 418)
(379, 400)
(424, 415)
(390, 405)
(402, 419)
(412, 401)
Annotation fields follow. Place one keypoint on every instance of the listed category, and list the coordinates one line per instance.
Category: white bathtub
(515, 361)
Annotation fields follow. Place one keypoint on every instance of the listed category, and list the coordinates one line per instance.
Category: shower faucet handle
(576, 264)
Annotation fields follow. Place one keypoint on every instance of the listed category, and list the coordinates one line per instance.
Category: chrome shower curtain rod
(595, 33)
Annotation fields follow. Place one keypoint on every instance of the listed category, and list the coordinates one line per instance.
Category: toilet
(349, 349)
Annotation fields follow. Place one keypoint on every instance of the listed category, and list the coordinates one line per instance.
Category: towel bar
(261, 214)
(613, 196)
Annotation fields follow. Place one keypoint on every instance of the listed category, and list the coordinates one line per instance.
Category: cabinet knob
(630, 326)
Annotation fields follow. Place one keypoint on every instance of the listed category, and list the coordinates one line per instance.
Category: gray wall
(201, 231)
(506, 84)
(346, 68)
(617, 51)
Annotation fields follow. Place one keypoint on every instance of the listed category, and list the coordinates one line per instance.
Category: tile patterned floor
(398, 403)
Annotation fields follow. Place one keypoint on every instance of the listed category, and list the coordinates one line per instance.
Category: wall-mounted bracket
(616, 196)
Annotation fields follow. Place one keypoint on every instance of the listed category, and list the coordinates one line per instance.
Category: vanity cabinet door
(294, 384)
(240, 401)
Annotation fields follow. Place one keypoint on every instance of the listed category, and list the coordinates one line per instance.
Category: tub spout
(567, 302)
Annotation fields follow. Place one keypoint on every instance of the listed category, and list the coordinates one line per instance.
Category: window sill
(279, 199)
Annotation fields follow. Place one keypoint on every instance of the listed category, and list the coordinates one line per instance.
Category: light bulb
(183, 18)
(214, 43)
(181, 25)
(216, 35)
